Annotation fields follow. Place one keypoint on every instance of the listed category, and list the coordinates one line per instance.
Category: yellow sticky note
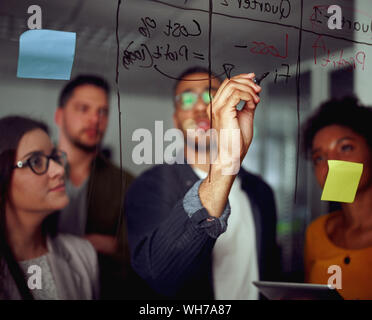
(342, 181)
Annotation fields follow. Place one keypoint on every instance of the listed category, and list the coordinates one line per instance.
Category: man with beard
(95, 186)
(198, 231)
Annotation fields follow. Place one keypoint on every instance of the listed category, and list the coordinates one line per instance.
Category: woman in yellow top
(342, 130)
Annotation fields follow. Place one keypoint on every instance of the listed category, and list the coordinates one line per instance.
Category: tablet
(296, 291)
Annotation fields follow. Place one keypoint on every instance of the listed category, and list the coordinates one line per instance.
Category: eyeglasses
(188, 99)
(39, 162)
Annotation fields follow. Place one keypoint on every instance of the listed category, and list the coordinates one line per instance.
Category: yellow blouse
(321, 253)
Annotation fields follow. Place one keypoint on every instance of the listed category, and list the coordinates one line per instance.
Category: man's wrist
(214, 191)
(218, 174)
(226, 166)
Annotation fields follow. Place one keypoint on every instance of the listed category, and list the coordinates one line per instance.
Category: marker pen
(257, 81)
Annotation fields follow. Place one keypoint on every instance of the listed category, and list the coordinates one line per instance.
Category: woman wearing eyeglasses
(36, 263)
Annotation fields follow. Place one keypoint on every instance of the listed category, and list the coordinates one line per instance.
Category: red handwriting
(337, 58)
(265, 49)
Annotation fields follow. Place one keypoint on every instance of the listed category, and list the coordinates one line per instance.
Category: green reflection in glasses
(188, 99)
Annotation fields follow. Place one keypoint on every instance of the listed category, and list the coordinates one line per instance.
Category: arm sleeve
(95, 279)
(169, 244)
(192, 204)
(92, 268)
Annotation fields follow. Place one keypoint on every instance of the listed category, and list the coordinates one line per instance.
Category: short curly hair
(345, 112)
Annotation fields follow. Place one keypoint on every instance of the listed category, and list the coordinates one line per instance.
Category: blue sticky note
(46, 54)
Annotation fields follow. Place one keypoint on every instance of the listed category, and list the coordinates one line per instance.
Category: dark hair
(192, 70)
(12, 129)
(81, 80)
(345, 112)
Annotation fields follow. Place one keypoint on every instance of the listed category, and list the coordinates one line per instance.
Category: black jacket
(170, 250)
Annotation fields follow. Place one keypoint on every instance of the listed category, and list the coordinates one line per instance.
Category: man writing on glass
(206, 231)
